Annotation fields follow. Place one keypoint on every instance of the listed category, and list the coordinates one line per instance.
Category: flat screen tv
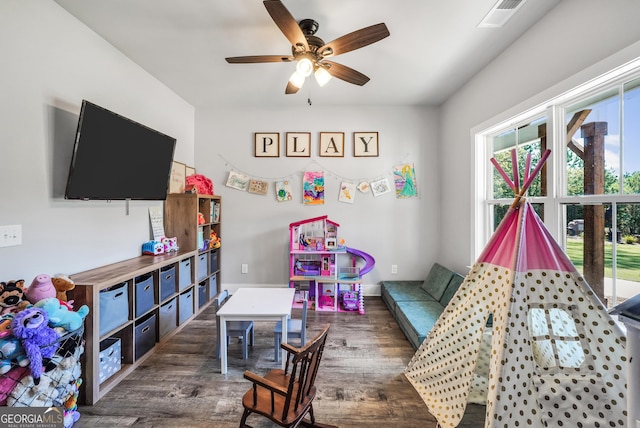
(115, 158)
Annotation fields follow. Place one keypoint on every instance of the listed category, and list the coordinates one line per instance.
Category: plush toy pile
(202, 184)
(41, 345)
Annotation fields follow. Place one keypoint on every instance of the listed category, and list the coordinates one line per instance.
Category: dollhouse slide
(368, 259)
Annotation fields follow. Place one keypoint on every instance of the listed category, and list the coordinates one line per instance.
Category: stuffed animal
(9, 380)
(29, 393)
(59, 314)
(12, 296)
(70, 418)
(37, 338)
(71, 413)
(62, 284)
(214, 243)
(12, 354)
(41, 287)
(5, 325)
(203, 184)
(63, 379)
(170, 244)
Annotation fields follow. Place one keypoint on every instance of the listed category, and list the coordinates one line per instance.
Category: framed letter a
(365, 144)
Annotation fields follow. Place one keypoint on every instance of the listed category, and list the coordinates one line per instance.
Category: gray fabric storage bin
(185, 306)
(114, 307)
(144, 294)
(213, 265)
(167, 281)
(110, 358)
(213, 286)
(168, 317)
(202, 266)
(184, 274)
(145, 335)
(202, 293)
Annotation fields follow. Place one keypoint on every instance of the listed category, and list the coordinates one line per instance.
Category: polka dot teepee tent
(554, 357)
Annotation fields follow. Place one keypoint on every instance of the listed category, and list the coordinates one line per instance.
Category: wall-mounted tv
(115, 158)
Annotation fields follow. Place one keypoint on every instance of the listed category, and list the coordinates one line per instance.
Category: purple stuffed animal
(38, 339)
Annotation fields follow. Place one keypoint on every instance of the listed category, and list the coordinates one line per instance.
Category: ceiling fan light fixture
(304, 67)
(297, 79)
(322, 76)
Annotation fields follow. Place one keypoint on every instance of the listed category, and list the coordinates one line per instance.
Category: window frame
(553, 111)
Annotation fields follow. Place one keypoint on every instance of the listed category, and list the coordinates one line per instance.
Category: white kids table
(255, 304)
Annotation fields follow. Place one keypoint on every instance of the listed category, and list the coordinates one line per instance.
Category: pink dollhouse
(322, 269)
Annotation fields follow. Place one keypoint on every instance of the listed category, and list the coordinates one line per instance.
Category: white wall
(50, 62)
(255, 228)
(576, 41)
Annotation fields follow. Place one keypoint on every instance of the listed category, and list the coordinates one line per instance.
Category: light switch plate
(10, 235)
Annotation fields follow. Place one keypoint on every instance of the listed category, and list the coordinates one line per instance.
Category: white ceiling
(434, 46)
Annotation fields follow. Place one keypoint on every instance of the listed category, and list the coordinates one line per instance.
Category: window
(588, 193)
(555, 340)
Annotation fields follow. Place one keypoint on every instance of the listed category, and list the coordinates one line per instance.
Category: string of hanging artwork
(402, 183)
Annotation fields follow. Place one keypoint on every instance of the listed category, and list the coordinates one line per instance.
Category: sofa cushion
(437, 281)
(416, 319)
(397, 291)
(405, 290)
(451, 289)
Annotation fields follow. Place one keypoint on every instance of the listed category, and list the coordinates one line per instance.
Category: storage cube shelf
(126, 307)
(182, 220)
(136, 303)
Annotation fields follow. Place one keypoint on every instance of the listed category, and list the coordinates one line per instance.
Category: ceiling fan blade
(345, 73)
(287, 23)
(258, 58)
(291, 89)
(356, 40)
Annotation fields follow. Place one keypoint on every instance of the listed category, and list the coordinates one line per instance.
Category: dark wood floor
(361, 381)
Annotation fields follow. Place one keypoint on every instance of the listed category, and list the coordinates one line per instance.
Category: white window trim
(553, 109)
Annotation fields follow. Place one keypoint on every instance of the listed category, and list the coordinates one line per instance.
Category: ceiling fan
(311, 52)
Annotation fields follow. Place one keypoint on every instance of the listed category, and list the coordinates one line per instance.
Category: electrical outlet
(245, 268)
(10, 235)
(394, 269)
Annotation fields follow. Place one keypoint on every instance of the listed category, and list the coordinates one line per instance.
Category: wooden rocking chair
(286, 396)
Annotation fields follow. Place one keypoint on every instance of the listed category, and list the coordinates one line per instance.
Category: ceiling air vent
(500, 13)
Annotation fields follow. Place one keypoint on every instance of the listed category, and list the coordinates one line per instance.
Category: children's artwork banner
(347, 192)
(404, 177)
(313, 188)
(283, 191)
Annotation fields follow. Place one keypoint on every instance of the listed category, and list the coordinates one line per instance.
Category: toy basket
(58, 385)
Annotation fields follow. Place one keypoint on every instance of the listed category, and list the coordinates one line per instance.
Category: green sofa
(417, 305)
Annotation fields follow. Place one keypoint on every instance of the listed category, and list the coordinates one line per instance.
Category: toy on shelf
(170, 244)
(214, 242)
(153, 248)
